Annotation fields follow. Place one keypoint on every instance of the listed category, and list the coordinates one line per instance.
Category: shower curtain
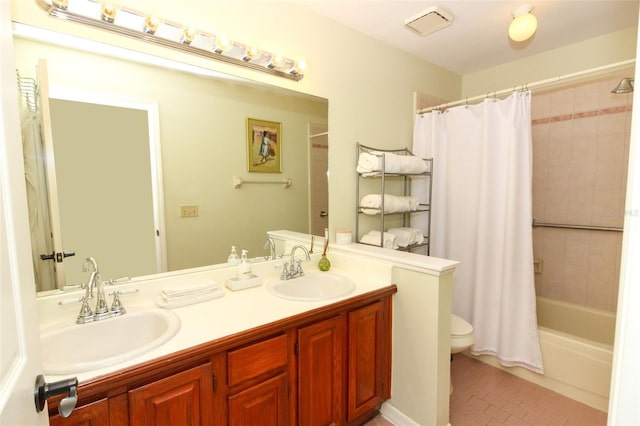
(482, 217)
(39, 221)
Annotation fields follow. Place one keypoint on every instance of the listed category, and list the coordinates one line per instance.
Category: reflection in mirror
(202, 132)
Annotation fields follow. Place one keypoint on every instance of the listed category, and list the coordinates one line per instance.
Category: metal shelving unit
(385, 178)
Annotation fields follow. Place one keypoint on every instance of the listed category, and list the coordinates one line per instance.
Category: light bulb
(151, 24)
(250, 53)
(524, 24)
(188, 34)
(301, 67)
(223, 44)
(276, 61)
(108, 12)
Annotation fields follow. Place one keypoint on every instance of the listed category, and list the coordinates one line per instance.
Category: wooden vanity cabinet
(258, 383)
(329, 366)
(369, 359)
(321, 355)
(93, 414)
(181, 399)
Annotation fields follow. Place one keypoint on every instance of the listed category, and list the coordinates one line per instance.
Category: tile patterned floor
(487, 396)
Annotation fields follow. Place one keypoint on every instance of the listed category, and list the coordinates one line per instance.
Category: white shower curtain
(39, 221)
(482, 217)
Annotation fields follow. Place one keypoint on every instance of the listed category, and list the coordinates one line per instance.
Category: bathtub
(577, 352)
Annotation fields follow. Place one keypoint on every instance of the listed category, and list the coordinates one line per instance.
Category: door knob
(324, 214)
(44, 391)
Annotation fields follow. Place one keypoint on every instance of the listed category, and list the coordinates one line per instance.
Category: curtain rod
(528, 86)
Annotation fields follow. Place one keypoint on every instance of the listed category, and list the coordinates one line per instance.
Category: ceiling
(477, 38)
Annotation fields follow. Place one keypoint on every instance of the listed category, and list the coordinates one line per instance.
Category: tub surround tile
(581, 148)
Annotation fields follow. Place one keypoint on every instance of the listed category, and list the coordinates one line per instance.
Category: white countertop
(233, 313)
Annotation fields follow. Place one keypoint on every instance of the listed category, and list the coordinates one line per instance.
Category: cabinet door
(185, 398)
(368, 359)
(94, 414)
(320, 372)
(264, 404)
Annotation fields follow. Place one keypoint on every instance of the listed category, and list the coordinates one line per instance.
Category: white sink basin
(74, 348)
(312, 287)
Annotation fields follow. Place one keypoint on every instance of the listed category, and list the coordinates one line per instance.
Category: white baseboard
(395, 416)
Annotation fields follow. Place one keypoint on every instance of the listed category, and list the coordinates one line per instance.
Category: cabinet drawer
(254, 360)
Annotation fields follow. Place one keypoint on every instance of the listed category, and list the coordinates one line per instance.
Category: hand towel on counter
(173, 298)
(407, 236)
(189, 291)
(370, 162)
(372, 203)
(373, 238)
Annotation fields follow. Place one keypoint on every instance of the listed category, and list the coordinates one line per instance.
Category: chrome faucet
(101, 309)
(295, 268)
(271, 245)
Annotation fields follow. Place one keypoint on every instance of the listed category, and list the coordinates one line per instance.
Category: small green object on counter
(324, 264)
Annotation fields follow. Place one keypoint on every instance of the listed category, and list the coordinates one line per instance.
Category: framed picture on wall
(264, 146)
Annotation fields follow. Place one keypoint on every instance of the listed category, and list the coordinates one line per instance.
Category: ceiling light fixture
(524, 24)
(155, 30)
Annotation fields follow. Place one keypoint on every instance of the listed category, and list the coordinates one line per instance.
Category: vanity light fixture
(524, 23)
(152, 29)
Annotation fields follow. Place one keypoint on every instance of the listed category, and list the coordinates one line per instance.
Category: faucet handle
(117, 308)
(285, 271)
(85, 314)
(299, 272)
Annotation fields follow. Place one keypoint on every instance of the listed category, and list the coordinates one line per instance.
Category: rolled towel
(372, 203)
(373, 238)
(369, 162)
(407, 236)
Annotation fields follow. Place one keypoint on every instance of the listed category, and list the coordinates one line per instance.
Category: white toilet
(462, 337)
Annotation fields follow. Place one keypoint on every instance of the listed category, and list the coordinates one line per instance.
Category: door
(20, 360)
(318, 178)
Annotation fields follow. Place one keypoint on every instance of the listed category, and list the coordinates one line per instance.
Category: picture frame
(264, 146)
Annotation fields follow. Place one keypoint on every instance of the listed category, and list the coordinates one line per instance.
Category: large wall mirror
(202, 133)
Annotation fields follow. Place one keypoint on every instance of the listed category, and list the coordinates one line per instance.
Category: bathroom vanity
(330, 365)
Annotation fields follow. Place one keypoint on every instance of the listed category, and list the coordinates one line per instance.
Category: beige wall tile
(562, 101)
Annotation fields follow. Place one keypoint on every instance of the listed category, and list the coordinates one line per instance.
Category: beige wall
(596, 52)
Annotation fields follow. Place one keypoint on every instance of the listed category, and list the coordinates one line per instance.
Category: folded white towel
(373, 238)
(190, 291)
(188, 299)
(372, 203)
(407, 236)
(393, 163)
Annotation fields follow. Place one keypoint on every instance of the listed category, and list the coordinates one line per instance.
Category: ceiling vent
(428, 21)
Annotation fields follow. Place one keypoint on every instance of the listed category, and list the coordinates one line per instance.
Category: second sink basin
(312, 287)
(74, 348)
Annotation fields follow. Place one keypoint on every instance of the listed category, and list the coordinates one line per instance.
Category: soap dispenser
(244, 268)
(233, 258)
